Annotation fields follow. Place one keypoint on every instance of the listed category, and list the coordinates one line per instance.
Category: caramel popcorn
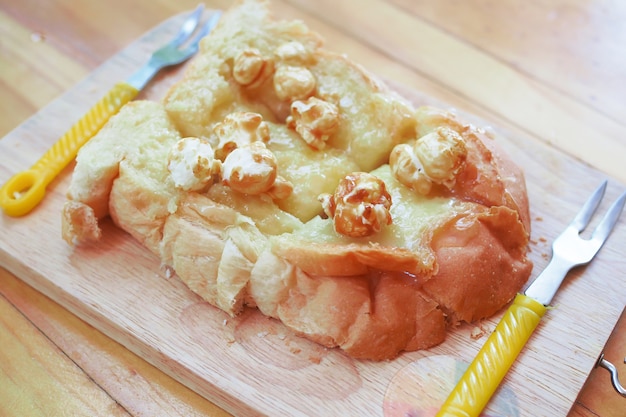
(293, 82)
(435, 158)
(192, 164)
(407, 168)
(250, 169)
(360, 205)
(315, 120)
(238, 129)
(443, 153)
(251, 69)
(293, 52)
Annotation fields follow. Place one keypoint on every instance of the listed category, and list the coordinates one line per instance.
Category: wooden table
(554, 70)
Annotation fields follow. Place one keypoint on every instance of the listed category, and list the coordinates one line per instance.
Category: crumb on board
(478, 332)
(37, 37)
(168, 271)
(316, 359)
(537, 241)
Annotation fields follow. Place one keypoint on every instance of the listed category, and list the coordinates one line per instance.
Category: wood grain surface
(551, 120)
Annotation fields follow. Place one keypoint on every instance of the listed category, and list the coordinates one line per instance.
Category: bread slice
(282, 176)
(140, 134)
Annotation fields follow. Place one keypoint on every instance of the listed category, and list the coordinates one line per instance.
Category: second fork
(484, 374)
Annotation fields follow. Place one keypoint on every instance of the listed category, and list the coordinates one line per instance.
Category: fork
(26, 189)
(569, 249)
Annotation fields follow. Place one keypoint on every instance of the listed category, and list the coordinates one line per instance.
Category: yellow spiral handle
(26, 189)
(483, 376)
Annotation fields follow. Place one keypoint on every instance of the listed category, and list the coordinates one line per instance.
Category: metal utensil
(26, 189)
(482, 377)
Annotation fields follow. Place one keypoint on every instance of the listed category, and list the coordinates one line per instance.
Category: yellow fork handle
(482, 378)
(26, 189)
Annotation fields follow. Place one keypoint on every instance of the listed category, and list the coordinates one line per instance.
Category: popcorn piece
(251, 69)
(360, 205)
(443, 153)
(315, 120)
(293, 82)
(435, 158)
(250, 169)
(192, 164)
(407, 168)
(239, 129)
(293, 52)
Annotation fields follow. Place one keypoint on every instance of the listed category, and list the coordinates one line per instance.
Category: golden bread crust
(488, 250)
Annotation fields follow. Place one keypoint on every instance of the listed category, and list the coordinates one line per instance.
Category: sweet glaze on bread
(441, 221)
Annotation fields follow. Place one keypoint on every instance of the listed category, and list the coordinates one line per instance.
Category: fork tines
(606, 225)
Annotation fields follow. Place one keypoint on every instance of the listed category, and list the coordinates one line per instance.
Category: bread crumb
(490, 132)
(315, 359)
(37, 37)
(168, 270)
(477, 332)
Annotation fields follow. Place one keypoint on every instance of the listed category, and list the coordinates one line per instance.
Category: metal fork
(26, 189)
(172, 53)
(569, 249)
(482, 377)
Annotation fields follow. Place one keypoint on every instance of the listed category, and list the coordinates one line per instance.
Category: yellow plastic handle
(483, 376)
(26, 189)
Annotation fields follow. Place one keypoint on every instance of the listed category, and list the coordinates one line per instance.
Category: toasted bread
(278, 175)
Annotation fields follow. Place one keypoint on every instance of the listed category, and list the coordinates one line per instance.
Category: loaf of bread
(278, 175)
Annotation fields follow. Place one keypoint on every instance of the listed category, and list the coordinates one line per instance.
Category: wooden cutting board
(252, 365)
